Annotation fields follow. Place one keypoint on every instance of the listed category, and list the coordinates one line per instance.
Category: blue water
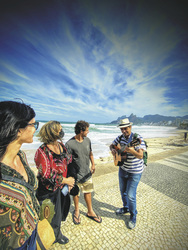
(102, 135)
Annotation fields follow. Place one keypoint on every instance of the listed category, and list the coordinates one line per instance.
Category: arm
(70, 181)
(42, 163)
(138, 154)
(71, 172)
(92, 162)
(138, 150)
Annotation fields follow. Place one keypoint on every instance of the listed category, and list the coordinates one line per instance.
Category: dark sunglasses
(35, 124)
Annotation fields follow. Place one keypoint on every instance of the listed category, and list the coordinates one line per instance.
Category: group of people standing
(63, 170)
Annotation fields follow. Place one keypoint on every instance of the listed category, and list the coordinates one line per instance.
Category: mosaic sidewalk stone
(162, 216)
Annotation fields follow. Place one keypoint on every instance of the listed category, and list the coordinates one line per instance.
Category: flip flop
(77, 218)
(94, 218)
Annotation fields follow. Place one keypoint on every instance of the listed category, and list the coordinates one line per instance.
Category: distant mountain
(154, 119)
(159, 118)
(132, 118)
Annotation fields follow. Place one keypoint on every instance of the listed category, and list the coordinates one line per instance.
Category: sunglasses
(35, 124)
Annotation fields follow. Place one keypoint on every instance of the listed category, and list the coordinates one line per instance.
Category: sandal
(76, 219)
(95, 217)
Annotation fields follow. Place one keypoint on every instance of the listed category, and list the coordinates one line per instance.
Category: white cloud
(105, 69)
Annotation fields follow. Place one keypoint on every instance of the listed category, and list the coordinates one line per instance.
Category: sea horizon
(102, 135)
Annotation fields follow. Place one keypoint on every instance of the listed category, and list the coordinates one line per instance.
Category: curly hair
(80, 126)
(13, 116)
(49, 132)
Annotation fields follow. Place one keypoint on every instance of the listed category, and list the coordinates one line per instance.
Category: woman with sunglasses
(19, 207)
(52, 160)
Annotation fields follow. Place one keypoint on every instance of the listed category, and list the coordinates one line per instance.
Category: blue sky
(95, 60)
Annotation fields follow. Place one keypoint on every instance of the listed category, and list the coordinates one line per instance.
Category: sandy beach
(158, 148)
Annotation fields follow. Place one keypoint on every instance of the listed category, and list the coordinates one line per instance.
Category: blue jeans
(128, 185)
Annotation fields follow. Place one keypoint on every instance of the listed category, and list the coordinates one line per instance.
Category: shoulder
(44, 148)
(71, 140)
(70, 145)
(138, 136)
(26, 166)
(42, 151)
(87, 139)
(86, 142)
(118, 138)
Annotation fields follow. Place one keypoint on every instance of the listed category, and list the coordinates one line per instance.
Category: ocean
(102, 135)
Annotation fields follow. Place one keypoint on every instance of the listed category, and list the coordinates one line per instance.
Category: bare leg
(87, 197)
(76, 205)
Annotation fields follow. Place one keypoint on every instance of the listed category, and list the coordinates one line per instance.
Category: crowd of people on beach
(28, 201)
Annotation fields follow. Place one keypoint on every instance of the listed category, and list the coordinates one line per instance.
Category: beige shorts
(86, 187)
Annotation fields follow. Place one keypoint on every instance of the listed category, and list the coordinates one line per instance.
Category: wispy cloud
(95, 61)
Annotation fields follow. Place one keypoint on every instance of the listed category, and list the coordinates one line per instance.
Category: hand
(93, 169)
(129, 150)
(70, 182)
(113, 151)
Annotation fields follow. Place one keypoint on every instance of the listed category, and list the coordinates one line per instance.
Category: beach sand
(158, 148)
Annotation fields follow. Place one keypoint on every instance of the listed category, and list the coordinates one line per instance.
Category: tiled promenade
(162, 203)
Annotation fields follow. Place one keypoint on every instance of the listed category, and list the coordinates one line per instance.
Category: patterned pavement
(162, 203)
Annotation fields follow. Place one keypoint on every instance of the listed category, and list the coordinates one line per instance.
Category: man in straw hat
(130, 170)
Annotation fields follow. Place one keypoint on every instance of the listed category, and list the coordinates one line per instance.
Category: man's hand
(130, 150)
(93, 169)
(138, 154)
(113, 151)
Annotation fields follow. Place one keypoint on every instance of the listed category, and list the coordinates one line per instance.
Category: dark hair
(13, 116)
(80, 126)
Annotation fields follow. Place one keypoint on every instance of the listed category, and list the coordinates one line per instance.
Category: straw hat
(124, 123)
